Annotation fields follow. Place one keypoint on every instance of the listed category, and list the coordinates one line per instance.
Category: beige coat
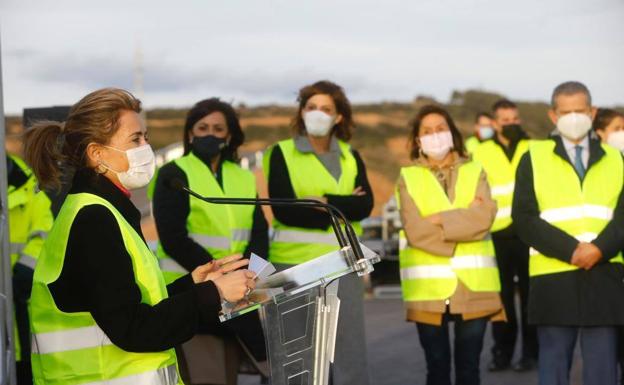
(458, 225)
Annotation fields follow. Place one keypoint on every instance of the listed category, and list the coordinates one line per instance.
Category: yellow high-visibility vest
(70, 348)
(580, 209)
(293, 245)
(30, 218)
(471, 144)
(426, 276)
(501, 175)
(220, 229)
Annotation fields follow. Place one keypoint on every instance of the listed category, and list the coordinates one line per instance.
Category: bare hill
(380, 135)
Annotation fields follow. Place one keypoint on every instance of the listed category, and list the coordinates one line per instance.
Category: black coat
(574, 298)
(98, 277)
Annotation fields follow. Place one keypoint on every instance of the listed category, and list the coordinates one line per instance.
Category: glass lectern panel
(299, 310)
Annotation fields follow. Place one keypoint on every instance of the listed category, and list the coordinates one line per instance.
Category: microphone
(335, 215)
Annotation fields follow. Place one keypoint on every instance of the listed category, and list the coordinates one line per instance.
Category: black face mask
(207, 147)
(513, 132)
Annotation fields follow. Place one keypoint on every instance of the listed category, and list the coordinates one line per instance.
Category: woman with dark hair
(447, 262)
(192, 232)
(609, 125)
(318, 163)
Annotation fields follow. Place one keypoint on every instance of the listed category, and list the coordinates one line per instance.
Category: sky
(259, 52)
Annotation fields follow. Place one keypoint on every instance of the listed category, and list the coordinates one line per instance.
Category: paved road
(395, 356)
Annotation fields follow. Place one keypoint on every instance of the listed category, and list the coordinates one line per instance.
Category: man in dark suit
(569, 207)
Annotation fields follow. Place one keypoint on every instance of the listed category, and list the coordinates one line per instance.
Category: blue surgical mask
(486, 133)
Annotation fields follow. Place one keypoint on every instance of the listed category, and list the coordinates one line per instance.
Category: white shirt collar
(570, 146)
(571, 150)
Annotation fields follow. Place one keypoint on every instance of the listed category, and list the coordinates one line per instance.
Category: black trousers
(620, 352)
(467, 350)
(512, 256)
(22, 286)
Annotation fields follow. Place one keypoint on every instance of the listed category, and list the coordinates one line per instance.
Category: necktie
(578, 161)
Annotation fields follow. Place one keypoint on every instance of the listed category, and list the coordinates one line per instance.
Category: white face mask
(486, 133)
(616, 139)
(141, 167)
(437, 145)
(574, 126)
(318, 123)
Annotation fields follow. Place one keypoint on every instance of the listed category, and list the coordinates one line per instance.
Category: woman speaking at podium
(100, 310)
(318, 163)
(192, 232)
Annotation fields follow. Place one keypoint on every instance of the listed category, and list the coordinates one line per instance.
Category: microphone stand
(334, 213)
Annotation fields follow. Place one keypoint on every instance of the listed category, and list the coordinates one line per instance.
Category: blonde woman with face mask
(100, 310)
(447, 263)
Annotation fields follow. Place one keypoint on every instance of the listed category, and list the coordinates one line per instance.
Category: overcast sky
(54, 52)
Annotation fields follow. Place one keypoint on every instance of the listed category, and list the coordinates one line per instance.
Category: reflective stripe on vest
(425, 276)
(241, 235)
(65, 340)
(446, 271)
(296, 236)
(94, 337)
(27, 260)
(207, 241)
(473, 261)
(170, 265)
(506, 189)
(221, 230)
(503, 212)
(309, 177)
(427, 272)
(577, 212)
(162, 376)
(501, 175)
(16, 247)
(38, 234)
(70, 348)
(581, 209)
